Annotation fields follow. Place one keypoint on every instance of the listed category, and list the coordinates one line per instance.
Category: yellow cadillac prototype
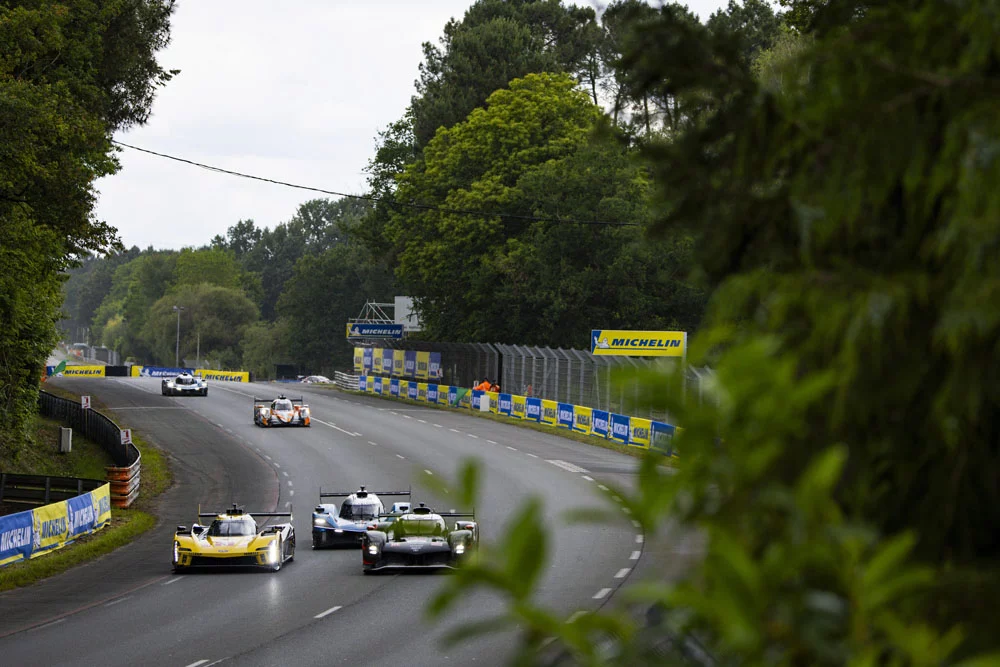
(234, 539)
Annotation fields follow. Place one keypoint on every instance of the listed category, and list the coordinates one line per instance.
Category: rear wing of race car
(236, 510)
(360, 493)
(298, 400)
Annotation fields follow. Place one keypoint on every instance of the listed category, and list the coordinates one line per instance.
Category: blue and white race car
(360, 509)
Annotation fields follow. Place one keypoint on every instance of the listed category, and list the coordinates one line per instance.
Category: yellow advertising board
(639, 432)
(550, 412)
(423, 365)
(370, 384)
(422, 391)
(135, 371)
(582, 419)
(359, 360)
(102, 504)
(50, 526)
(638, 343)
(223, 376)
(517, 407)
(398, 361)
(84, 371)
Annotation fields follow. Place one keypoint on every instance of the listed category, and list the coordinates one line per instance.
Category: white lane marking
(492, 442)
(575, 615)
(199, 663)
(428, 471)
(216, 662)
(400, 456)
(589, 479)
(393, 412)
(639, 539)
(471, 435)
(291, 493)
(229, 430)
(636, 523)
(534, 456)
(454, 430)
(284, 473)
(172, 581)
(336, 427)
(616, 498)
(327, 612)
(622, 573)
(439, 425)
(267, 457)
(407, 417)
(219, 425)
(277, 465)
(422, 421)
(289, 482)
(48, 625)
(635, 555)
(566, 466)
(626, 510)
(511, 448)
(602, 487)
(373, 444)
(288, 504)
(603, 593)
(114, 602)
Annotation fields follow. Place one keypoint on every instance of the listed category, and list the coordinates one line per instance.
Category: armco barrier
(124, 475)
(43, 489)
(626, 430)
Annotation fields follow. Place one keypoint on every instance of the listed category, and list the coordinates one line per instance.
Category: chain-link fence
(461, 363)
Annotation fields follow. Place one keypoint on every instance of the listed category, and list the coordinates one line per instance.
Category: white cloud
(289, 91)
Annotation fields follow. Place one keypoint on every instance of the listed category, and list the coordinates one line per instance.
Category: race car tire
(368, 570)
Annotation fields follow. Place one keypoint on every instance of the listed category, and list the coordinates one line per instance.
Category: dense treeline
(71, 73)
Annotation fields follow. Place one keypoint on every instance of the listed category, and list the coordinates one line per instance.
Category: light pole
(177, 348)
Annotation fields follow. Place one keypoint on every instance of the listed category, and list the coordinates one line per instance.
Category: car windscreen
(232, 528)
(185, 381)
(358, 512)
(282, 405)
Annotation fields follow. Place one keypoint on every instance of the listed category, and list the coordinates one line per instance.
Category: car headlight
(272, 553)
(176, 549)
(319, 522)
(373, 549)
(459, 549)
(338, 530)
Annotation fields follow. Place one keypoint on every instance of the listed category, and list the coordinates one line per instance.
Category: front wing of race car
(270, 549)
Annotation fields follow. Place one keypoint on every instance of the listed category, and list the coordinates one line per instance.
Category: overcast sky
(294, 92)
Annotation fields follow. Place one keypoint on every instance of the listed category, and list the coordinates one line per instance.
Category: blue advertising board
(564, 416)
(410, 364)
(453, 396)
(505, 403)
(378, 385)
(366, 362)
(599, 423)
(432, 393)
(436, 372)
(16, 537)
(533, 409)
(394, 387)
(411, 390)
(362, 383)
(476, 395)
(619, 428)
(662, 438)
(358, 330)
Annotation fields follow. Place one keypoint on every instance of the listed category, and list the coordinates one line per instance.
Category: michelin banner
(224, 376)
(160, 371)
(638, 343)
(83, 371)
(38, 531)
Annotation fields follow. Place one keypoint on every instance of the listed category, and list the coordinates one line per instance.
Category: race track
(128, 608)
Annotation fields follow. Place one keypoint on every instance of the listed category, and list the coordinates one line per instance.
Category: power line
(384, 200)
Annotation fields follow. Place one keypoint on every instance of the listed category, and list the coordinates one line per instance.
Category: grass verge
(87, 459)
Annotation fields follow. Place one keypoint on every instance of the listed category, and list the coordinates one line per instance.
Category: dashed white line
(220, 426)
(428, 471)
(602, 487)
(492, 442)
(626, 510)
(639, 539)
(589, 479)
(454, 430)
(422, 421)
(472, 435)
(172, 581)
(407, 417)
(327, 612)
(635, 555)
(291, 493)
(48, 625)
(336, 427)
(277, 465)
(198, 664)
(284, 473)
(439, 425)
(622, 573)
(373, 444)
(114, 602)
(511, 448)
(289, 482)
(229, 430)
(559, 463)
(267, 457)
(575, 615)
(636, 523)
(616, 498)
(603, 593)
(534, 456)
(400, 456)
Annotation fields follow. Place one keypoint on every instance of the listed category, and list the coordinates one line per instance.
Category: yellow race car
(234, 539)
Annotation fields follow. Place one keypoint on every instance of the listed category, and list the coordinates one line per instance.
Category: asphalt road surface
(128, 608)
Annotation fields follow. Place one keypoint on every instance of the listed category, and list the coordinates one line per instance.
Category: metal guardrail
(43, 489)
(124, 476)
(345, 381)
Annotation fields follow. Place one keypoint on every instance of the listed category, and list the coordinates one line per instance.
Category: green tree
(265, 344)
(752, 23)
(70, 74)
(850, 226)
(207, 265)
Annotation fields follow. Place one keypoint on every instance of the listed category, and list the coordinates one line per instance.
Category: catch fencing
(125, 475)
(603, 382)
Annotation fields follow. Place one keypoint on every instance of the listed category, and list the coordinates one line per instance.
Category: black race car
(184, 384)
(419, 540)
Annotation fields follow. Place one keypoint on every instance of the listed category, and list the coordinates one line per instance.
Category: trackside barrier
(38, 531)
(125, 474)
(626, 430)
